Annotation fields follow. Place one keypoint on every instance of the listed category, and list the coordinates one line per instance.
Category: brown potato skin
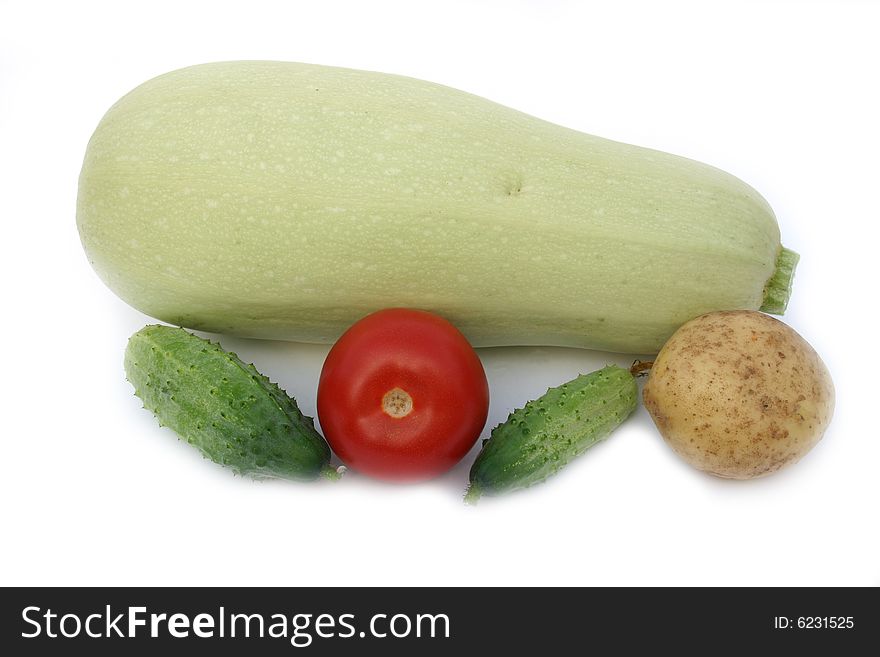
(739, 394)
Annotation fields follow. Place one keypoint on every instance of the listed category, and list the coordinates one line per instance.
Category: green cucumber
(540, 438)
(236, 416)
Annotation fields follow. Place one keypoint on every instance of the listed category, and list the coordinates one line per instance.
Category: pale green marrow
(284, 200)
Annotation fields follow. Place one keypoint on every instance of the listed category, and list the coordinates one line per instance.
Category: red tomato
(402, 395)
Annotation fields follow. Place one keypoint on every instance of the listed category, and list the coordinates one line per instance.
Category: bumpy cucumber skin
(540, 438)
(233, 414)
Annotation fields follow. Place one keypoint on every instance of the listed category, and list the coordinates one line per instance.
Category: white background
(781, 94)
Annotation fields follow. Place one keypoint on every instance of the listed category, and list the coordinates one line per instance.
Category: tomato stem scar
(397, 403)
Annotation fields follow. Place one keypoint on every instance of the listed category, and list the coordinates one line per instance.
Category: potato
(739, 394)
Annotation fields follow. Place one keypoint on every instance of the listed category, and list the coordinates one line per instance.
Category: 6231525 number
(814, 622)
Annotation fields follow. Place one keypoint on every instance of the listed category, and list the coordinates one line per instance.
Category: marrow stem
(778, 288)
